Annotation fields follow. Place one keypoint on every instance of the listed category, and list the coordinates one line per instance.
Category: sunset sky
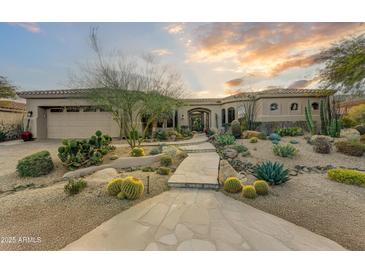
(215, 59)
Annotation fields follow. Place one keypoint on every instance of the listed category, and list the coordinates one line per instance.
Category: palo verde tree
(130, 88)
(344, 66)
(6, 89)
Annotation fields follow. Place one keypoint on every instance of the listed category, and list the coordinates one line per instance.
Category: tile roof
(281, 91)
(10, 104)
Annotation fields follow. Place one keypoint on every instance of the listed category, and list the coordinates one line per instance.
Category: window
(72, 109)
(89, 109)
(315, 106)
(294, 106)
(56, 110)
(223, 116)
(274, 106)
(231, 115)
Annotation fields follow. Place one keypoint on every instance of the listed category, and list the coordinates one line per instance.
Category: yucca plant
(273, 173)
(284, 150)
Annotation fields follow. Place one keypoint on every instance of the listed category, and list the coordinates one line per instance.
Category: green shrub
(74, 186)
(322, 145)
(163, 170)
(261, 187)
(232, 185)
(155, 151)
(236, 128)
(161, 135)
(35, 165)
(253, 140)
(166, 160)
(274, 137)
(131, 188)
(285, 150)
(357, 114)
(289, 131)
(273, 173)
(347, 176)
(148, 169)
(347, 122)
(211, 132)
(2, 136)
(114, 186)
(225, 139)
(350, 148)
(239, 148)
(83, 153)
(137, 152)
(249, 192)
(275, 142)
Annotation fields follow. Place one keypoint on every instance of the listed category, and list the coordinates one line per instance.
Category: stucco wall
(283, 113)
(11, 117)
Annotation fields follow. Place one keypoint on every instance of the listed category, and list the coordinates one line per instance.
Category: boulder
(226, 170)
(102, 176)
(247, 134)
(230, 153)
(313, 138)
(350, 134)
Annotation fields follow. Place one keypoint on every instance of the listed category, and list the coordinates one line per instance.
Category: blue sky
(215, 59)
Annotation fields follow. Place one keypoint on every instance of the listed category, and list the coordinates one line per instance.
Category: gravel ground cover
(311, 200)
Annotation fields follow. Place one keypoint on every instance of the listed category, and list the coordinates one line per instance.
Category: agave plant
(287, 150)
(273, 173)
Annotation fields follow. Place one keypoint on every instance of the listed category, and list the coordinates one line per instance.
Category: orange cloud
(301, 62)
(304, 83)
(231, 91)
(30, 26)
(268, 48)
(234, 82)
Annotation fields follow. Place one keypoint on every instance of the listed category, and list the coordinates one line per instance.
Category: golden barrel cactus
(261, 187)
(249, 192)
(132, 188)
(114, 185)
(232, 185)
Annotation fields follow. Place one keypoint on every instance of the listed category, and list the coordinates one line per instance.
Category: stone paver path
(192, 219)
(197, 170)
(195, 148)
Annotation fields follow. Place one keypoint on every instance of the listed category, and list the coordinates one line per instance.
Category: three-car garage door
(72, 122)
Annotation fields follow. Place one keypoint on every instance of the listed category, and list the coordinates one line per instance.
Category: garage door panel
(77, 124)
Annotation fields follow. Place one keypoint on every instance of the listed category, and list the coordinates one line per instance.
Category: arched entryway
(199, 119)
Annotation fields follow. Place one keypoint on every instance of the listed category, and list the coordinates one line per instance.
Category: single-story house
(69, 114)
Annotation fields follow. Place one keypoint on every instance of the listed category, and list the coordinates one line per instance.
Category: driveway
(191, 219)
(12, 152)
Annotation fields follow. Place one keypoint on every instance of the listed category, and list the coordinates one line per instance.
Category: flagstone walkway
(195, 219)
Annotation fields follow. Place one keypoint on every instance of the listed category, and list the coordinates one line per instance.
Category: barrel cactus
(261, 187)
(131, 188)
(137, 152)
(114, 186)
(249, 192)
(232, 185)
